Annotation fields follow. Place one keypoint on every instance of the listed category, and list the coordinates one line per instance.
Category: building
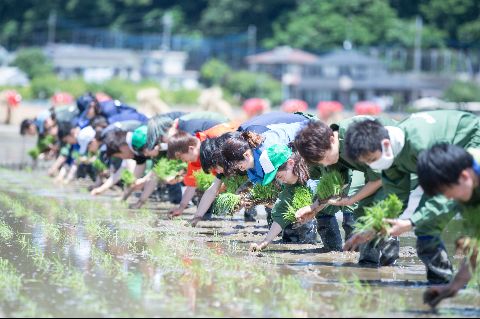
(282, 62)
(99, 64)
(346, 76)
(94, 64)
(12, 76)
(168, 67)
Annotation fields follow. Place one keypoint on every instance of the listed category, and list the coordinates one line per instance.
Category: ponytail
(234, 148)
(254, 140)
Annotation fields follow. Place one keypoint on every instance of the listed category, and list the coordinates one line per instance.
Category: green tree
(33, 62)
(320, 25)
(403, 32)
(250, 84)
(229, 16)
(44, 87)
(214, 72)
(463, 91)
(455, 17)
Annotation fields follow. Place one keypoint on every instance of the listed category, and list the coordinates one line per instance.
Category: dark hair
(64, 129)
(53, 114)
(99, 122)
(441, 166)
(300, 167)
(25, 125)
(179, 143)
(114, 139)
(233, 149)
(83, 101)
(364, 137)
(313, 141)
(211, 151)
(157, 127)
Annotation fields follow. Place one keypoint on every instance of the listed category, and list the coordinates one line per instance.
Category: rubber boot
(305, 234)
(329, 232)
(432, 252)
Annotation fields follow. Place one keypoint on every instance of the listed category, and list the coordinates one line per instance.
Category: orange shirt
(216, 131)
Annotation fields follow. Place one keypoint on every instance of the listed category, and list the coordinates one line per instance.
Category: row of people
(376, 156)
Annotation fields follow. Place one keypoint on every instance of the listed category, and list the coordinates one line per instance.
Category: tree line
(316, 25)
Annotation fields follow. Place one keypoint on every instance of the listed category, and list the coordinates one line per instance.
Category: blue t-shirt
(277, 134)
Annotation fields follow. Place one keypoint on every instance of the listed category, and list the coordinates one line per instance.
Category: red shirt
(216, 131)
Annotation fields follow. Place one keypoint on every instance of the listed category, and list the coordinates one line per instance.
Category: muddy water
(80, 256)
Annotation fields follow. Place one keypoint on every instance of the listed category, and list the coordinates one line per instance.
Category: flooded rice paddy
(64, 253)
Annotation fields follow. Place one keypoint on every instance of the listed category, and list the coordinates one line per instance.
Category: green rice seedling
(226, 203)
(99, 166)
(302, 196)
(265, 193)
(330, 185)
(6, 232)
(233, 183)
(203, 180)
(34, 153)
(10, 281)
(45, 142)
(166, 169)
(391, 207)
(127, 178)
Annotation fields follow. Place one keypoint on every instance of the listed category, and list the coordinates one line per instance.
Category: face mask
(385, 161)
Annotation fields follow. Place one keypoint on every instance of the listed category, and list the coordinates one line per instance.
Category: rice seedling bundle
(34, 153)
(302, 196)
(226, 204)
(45, 142)
(99, 166)
(265, 193)
(203, 180)
(166, 168)
(330, 185)
(233, 183)
(127, 178)
(391, 207)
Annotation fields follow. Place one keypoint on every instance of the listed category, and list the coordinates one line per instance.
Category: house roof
(78, 56)
(348, 57)
(282, 55)
(409, 81)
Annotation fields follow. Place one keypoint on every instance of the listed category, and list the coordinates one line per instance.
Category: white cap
(84, 138)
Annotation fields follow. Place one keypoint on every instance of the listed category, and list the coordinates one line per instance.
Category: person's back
(260, 124)
(424, 129)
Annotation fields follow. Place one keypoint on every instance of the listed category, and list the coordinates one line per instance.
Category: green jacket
(422, 130)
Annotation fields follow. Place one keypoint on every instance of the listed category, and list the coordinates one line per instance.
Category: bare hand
(399, 226)
(434, 295)
(254, 247)
(137, 205)
(343, 201)
(175, 212)
(138, 184)
(305, 214)
(96, 191)
(195, 221)
(174, 180)
(358, 239)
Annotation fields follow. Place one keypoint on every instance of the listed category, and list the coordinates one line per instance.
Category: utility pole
(252, 43)
(417, 63)
(252, 39)
(52, 23)
(167, 22)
